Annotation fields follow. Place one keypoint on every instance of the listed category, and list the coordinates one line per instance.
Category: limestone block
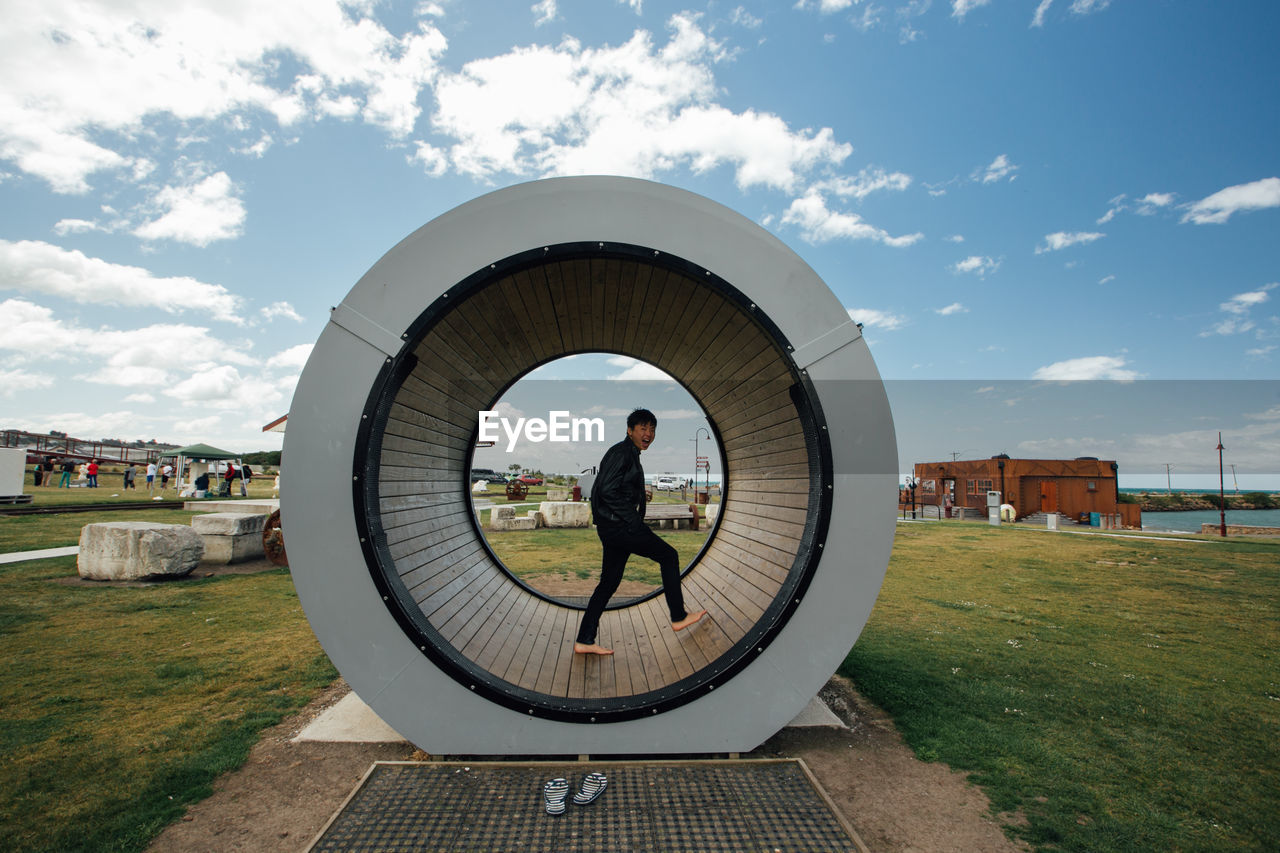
(228, 523)
(566, 513)
(557, 493)
(137, 550)
(527, 522)
(713, 512)
(220, 548)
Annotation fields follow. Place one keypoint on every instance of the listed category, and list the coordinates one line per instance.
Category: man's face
(641, 435)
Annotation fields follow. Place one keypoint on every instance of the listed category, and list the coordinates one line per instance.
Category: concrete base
(261, 507)
(350, 720)
(505, 518)
(230, 537)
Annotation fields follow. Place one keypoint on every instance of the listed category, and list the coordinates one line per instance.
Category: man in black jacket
(617, 504)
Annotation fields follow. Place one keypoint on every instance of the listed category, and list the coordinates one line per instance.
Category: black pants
(619, 544)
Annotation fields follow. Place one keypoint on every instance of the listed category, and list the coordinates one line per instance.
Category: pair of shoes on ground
(557, 790)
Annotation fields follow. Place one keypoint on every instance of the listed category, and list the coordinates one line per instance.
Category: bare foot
(593, 649)
(688, 620)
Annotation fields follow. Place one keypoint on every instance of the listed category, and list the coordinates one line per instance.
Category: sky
(1009, 196)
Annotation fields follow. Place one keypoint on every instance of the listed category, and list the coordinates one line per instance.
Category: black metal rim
(400, 603)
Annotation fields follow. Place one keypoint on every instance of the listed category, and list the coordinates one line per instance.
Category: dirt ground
(286, 792)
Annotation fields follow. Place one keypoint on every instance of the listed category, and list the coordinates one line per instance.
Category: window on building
(929, 487)
(979, 487)
(1091, 485)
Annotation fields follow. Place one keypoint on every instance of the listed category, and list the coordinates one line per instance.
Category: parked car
(666, 484)
(529, 480)
(478, 474)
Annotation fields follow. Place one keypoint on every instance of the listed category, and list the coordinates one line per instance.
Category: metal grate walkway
(771, 806)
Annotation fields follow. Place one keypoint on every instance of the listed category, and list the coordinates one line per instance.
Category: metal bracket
(366, 330)
(825, 344)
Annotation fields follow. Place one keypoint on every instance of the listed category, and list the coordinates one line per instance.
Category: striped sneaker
(593, 785)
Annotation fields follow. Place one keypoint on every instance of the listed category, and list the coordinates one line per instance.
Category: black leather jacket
(617, 496)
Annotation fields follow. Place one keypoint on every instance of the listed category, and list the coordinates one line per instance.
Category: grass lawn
(534, 553)
(1120, 694)
(120, 706)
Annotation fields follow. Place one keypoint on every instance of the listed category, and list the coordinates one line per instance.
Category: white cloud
(281, 309)
(63, 227)
(1260, 352)
(636, 369)
(294, 357)
(1151, 202)
(544, 12)
(818, 224)
(743, 18)
(1237, 309)
(1062, 240)
(1089, 367)
(74, 73)
(953, 308)
(635, 109)
(636, 5)
(864, 183)
(955, 238)
(36, 267)
(1041, 11)
(977, 264)
(877, 319)
(13, 381)
(1219, 207)
(998, 168)
(960, 8)
(1106, 279)
(140, 397)
(1088, 7)
(826, 7)
(198, 214)
(1242, 302)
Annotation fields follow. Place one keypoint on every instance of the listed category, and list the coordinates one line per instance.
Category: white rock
(137, 550)
(566, 513)
(228, 523)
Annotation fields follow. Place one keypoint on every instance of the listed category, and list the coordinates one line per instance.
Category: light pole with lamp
(697, 460)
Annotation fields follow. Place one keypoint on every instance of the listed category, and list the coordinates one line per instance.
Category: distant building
(1071, 487)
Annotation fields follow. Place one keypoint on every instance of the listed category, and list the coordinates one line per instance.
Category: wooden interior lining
(520, 320)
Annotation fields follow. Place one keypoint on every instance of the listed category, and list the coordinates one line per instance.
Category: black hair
(641, 416)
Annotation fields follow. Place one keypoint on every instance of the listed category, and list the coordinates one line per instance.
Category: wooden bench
(675, 513)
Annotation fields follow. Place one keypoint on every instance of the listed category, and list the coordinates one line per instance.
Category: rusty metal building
(1071, 487)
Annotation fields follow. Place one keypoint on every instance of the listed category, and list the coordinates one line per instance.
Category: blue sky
(1002, 192)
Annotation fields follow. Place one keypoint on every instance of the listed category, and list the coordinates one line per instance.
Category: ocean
(1189, 522)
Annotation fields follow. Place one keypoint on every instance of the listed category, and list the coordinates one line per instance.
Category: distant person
(202, 484)
(37, 474)
(67, 467)
(166, 471)
(226, 480)
(130, 475)
(151, 476)
(246, 476)
(48, 471)
(617, 504)
(92, 470)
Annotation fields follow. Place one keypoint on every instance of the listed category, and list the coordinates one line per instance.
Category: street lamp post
(697, 459)
(1222, 497)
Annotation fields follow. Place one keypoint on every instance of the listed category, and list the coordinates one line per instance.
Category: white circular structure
(399, 584)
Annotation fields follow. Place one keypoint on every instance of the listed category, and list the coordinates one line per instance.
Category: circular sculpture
(394, 574)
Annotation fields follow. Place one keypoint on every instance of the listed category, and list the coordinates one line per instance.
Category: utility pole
(1233, 477)
(1168, 477)
(1222, 498)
